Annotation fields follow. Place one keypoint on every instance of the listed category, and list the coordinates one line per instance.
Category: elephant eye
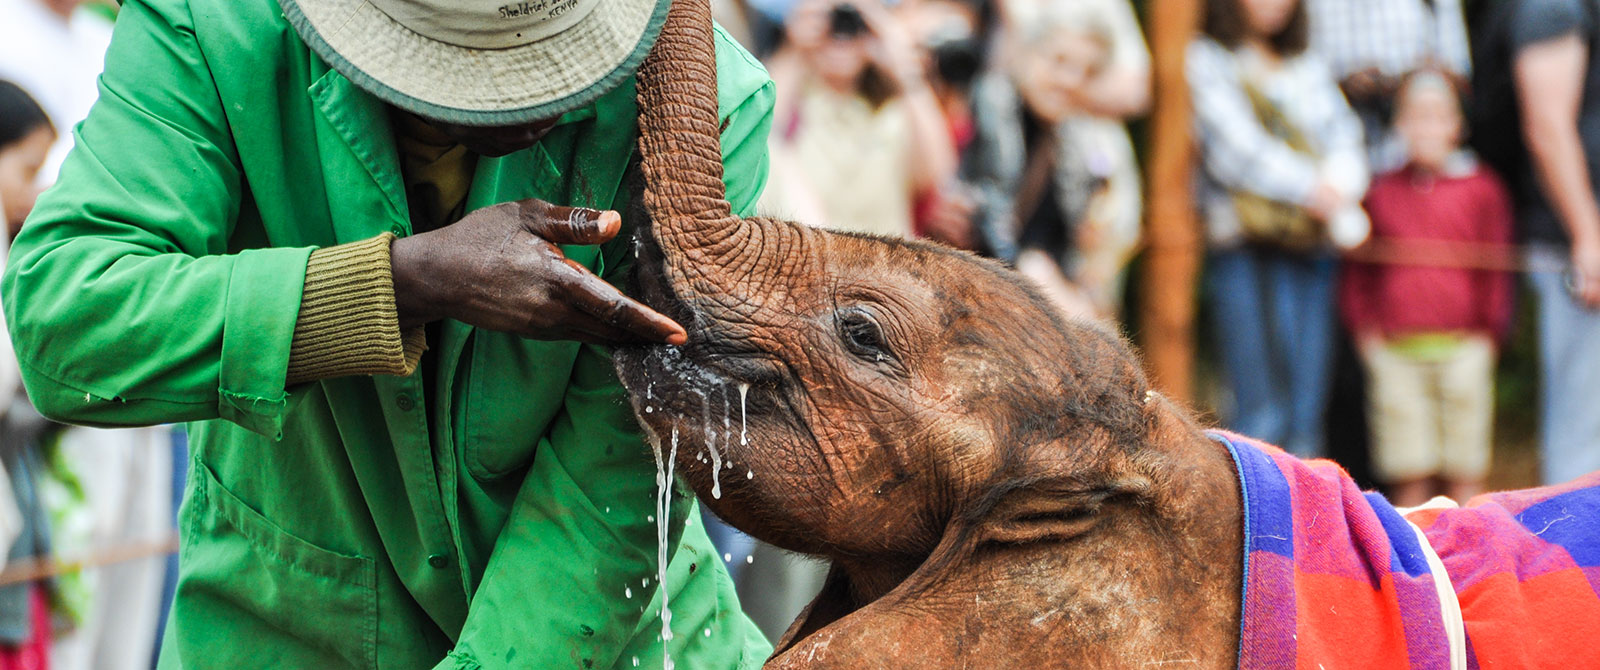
(862, 335)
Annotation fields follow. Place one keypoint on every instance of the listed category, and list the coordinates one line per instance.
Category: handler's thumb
(569, 225)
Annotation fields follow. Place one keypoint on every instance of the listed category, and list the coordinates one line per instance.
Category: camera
(956, 60)
(845, 21)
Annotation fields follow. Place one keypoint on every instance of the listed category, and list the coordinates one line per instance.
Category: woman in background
(25, 619)
(1284, 170)
(858, 134)
(1058, 187)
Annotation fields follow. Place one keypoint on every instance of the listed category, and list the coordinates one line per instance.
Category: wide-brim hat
(481, 62)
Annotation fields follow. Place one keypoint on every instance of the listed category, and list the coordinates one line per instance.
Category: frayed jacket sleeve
(121, 297)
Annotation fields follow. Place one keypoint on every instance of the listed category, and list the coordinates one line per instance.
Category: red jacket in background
(1412, 213)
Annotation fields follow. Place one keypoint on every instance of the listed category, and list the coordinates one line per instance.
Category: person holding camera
(858, 134)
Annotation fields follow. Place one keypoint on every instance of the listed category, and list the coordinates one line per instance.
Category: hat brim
(480, 87)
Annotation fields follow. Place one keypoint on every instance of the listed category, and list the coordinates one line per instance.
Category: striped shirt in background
(1395, 36)
(1238, 153)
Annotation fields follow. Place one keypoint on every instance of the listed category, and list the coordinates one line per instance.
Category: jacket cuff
(348, 324)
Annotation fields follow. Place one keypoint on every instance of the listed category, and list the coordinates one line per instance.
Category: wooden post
(1172, 231)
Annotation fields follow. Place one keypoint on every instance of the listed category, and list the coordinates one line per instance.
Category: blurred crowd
(1346, 208)
(1341, 194)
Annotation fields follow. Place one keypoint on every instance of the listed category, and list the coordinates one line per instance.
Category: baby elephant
(998, 488)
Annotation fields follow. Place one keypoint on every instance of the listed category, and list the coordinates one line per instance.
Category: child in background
(25, 618)
(1426, 318)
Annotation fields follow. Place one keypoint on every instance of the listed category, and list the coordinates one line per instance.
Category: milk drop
(744, 423)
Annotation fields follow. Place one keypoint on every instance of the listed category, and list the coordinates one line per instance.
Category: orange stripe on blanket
(1546, 622)
(1341, 623)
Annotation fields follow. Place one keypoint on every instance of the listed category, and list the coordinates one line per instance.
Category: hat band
(513, 23)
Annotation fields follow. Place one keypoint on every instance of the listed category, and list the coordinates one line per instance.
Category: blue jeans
(1569, 375)
(1273, 316)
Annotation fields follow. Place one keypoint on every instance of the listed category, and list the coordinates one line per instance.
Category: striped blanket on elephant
(1337, 578)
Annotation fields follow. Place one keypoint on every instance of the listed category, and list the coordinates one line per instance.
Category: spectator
(1058, 187)
(949, 39)
(1371, 44)
(1543, 55)
(949, 34)
(1426, 328)
(115, 480)
(858, 134)
(25, 620)
(54, 49)
(1122, 89)
(26, 136)
(1283, 172)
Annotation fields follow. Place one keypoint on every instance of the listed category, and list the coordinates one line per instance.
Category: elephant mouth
(715, 353)
(666, 379)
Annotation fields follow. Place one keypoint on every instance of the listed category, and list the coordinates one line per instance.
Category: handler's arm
(121, 302)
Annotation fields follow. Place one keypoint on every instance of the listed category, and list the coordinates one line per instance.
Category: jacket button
(439, 561)
(404, 402)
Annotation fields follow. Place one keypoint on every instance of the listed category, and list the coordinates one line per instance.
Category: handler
(273, 212)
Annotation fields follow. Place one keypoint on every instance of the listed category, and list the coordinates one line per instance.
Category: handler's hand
(499, 268)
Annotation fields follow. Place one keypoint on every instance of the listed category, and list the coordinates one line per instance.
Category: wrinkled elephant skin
(997, 488)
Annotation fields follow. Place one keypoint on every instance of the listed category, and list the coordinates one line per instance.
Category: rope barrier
(43, 567)
(1453, 255)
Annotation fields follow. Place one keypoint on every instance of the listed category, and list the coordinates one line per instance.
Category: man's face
(495, 141)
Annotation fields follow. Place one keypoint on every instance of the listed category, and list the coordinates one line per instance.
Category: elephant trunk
(679, 144)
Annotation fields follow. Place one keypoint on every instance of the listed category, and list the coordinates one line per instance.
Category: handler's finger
(597, 298)
(582, 327)
(598, 333)
(569, 225)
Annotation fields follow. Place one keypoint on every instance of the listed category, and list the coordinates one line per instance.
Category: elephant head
(997, 487)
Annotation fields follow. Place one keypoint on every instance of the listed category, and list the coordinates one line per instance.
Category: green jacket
(354, 522)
